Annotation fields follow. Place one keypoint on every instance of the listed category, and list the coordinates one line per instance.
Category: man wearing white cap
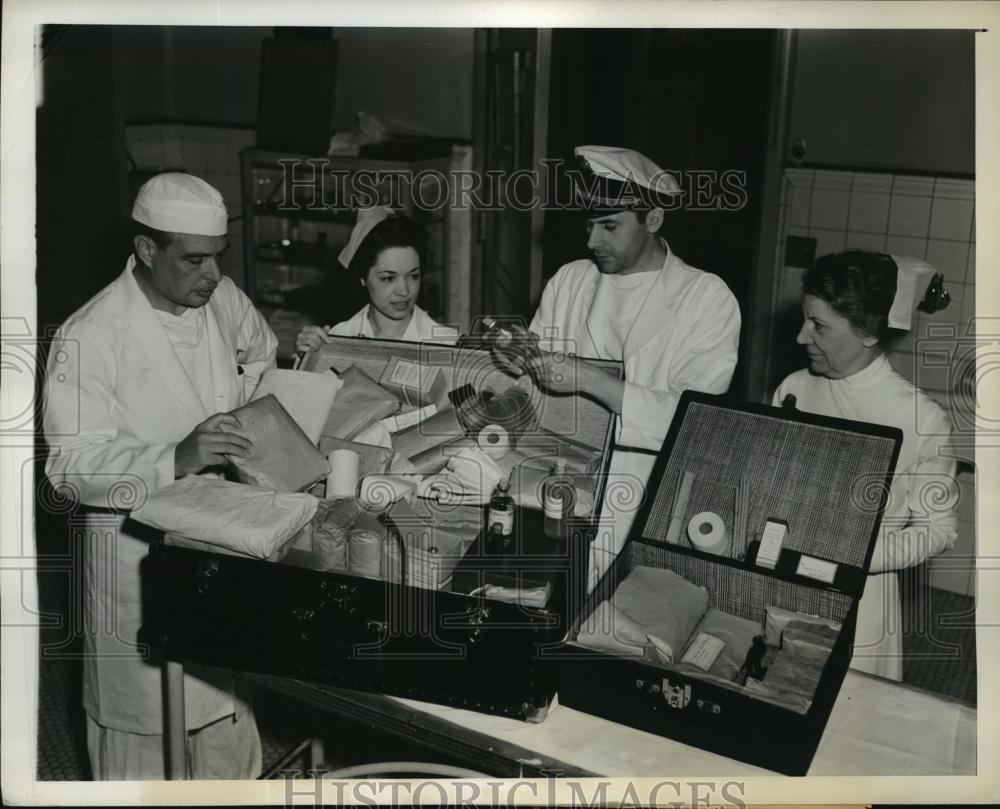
(138, 388)
(672, 326)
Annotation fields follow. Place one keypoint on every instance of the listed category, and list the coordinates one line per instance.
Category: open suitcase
(437, 637)
(826, 480)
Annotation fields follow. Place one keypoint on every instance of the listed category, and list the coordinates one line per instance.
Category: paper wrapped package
(414, 383)
(423, 442)
(364, 546)
(470, 476)
(777, 618)
(245, 519)
(282, 457)
(331, 525)
(307, 396)
(810, 641)
(360, 402)
(431, 556)
(653, 612)
(736, 633)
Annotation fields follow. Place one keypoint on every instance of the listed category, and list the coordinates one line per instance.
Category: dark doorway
(690, 100)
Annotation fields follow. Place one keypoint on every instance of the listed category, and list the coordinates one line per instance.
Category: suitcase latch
(477, 617)
(204, 570)
(677, 696)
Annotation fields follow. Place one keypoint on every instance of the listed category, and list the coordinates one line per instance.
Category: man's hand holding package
(209, 444)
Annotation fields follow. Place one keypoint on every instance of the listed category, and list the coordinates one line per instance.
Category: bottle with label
(516, 347)
(558, 501)
(495, 540)
(502, 507)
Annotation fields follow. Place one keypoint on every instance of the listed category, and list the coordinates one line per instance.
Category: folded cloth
(378, 492)
(526, 597)
(331, 524)
(654, 611)
(360, 403)
(736, 633)
(242, 518)
(469, 477)
(307, 396)
(282, 457)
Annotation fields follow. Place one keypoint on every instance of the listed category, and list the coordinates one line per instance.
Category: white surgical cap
(180, 203)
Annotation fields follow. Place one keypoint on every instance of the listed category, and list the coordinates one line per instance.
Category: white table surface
(876, 728)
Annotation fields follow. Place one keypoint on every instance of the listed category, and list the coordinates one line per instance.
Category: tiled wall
(929, 217)
(212, 153)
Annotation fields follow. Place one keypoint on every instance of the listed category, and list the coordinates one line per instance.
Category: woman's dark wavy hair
(858, 285)
(394, 231)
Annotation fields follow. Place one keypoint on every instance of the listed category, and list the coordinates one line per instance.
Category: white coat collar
(649, 321)
(146, 338)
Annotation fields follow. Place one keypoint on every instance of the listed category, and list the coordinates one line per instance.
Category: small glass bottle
(558, 501)
(502, 507)
(495, 540)
(515, 347)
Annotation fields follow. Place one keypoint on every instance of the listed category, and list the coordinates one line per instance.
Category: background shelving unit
(299, 211)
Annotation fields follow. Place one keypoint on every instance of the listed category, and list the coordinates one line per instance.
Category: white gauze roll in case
(707, 532)
(494, 441)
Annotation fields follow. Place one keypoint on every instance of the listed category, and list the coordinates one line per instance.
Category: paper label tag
(407, 374)
(396, 423)
(770, 543)
(504, 517)
(817, 568)
(553, 507)
(703, 651)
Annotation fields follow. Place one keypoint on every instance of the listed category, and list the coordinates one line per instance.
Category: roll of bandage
(707, 533)
(494, 441)
(343, 478)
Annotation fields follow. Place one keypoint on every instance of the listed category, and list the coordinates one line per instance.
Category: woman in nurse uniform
(852, 304)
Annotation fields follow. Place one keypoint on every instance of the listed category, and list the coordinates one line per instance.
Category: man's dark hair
(161, 238)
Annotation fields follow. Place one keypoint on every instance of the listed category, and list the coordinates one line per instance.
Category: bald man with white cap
(139, 386)
(672, 326)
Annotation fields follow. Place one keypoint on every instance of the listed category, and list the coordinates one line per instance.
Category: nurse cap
(910, 274)
(367, 219)
(180, 203)
(616, 179)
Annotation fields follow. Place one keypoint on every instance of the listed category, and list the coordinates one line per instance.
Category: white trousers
(228, 748)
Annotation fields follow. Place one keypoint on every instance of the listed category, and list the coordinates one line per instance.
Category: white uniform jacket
(686, 336)
(919, 520)
(421, 328)
(117, 402)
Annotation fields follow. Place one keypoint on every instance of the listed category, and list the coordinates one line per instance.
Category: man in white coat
(672, 326)
(138, 388)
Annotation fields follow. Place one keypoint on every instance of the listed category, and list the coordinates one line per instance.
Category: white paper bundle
(307, 396)
(236, 516)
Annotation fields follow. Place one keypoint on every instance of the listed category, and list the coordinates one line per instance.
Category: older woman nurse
(386, 255)
(852, 303)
